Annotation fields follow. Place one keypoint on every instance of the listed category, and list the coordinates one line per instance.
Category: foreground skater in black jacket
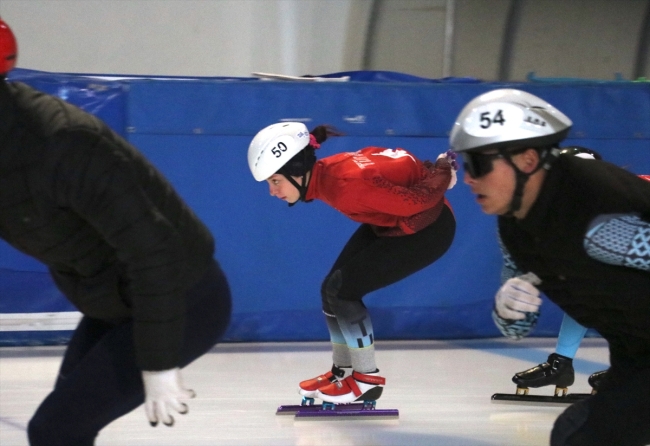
(122, 246)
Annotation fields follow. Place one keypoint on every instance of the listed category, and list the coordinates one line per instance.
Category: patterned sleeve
(513, 329)
(509, 268)
(619, 239)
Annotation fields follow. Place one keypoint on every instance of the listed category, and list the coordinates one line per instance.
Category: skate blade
(348, 414)
(509, 398)
(295, 408)
(339, 411)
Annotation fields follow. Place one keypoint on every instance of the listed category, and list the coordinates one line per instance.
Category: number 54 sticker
(493, 119)
(487, 119)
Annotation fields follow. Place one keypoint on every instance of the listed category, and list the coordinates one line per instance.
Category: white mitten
(517, 297)
(163, 391)
(450, 156)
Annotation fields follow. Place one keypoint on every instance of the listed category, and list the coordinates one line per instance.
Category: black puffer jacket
(615, 300)
(118, 240)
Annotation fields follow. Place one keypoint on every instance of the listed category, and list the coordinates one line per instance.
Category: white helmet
(508, 118)
(274, 146)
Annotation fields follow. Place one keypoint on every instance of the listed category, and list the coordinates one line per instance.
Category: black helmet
(581, 152)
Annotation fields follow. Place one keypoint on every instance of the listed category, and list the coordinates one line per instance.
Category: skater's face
(280, 187)
(494, 189)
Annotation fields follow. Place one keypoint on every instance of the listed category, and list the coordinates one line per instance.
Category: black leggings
(368, 262)
(99, 380)
(619, 414)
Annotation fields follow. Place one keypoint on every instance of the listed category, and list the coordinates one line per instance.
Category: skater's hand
(516, 298)
(163, 391)
(450, 157)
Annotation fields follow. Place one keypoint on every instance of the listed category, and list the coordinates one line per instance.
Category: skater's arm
(516, 307)
(509, 268)
(619, 239)
(515, 329)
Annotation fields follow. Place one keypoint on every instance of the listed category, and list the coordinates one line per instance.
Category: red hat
(8, 48)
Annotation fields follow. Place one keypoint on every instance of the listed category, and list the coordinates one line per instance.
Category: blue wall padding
(100, 96)
(197, 132)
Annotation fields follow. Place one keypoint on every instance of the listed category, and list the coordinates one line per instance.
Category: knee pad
(330, 290)
(351, 315)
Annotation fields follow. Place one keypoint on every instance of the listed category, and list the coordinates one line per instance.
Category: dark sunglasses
(479, 164)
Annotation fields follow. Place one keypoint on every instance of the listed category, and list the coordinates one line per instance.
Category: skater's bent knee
(43, 432)
(330, 290)
(38, 432)
(567, 430)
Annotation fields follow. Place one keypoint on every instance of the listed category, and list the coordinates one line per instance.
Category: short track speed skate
(596, 380)
(356, 410)
(557, 370)
(361, 405)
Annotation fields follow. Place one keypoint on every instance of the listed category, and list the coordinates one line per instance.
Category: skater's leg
(369, 263)
(340, 350)
(618, 414)
(570, 336)
(356, 327)
(88, 333)
(342, 363)
(103, 384)
(558, 368)
(341, 359)
(209, 307)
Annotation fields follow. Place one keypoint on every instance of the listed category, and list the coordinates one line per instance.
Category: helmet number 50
(277, 151)
(487, 121)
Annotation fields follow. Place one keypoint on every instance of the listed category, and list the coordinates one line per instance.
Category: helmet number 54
(487, 121)
(277, 150)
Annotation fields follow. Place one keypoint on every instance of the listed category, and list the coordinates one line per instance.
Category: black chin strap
(302, 188)
(546, 159)
(521, 179)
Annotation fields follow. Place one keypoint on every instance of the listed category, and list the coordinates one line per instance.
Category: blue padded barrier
(196, 131)
(98, 95)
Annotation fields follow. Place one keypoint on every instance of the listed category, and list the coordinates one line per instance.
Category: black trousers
(368, 262)
(99, 380)
(619, 414)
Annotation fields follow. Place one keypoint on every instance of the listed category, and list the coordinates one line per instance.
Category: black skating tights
(619, 414)
(99, 380)
(368, 263)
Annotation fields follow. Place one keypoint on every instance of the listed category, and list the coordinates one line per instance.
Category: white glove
(450, 156)
(517, 297)
(163, 391)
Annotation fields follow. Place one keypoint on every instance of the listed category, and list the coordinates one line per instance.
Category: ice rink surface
(441, 388)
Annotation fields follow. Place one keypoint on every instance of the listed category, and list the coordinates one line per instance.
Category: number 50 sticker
(277, 150)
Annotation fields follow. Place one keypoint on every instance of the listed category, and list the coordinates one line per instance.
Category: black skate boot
(557, 370)
(596, 380)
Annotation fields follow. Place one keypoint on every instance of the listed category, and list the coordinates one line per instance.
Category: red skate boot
(309, 388)
(356, 387)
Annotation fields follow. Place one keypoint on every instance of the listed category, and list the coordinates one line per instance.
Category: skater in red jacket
(406, 225)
